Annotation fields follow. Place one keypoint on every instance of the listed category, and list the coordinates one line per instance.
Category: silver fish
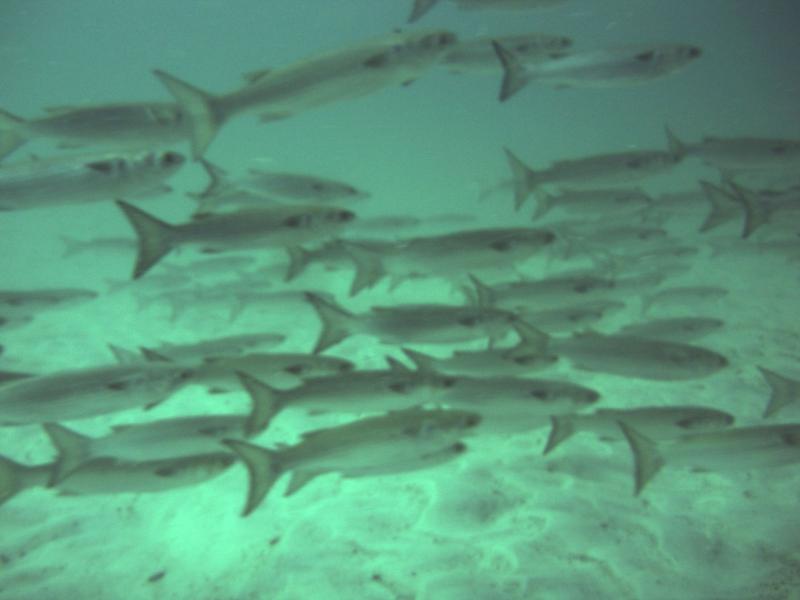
(321, 79)
(409, 323)
(128, 125)
(78, 179)
(737, 449)
(596, 68)
(683, 296)
(27, 303)
(638, 358)
(592, 171)
(274, 227)
(747, 153)
(657, 422)
(88, 392)
(679, 329)
(371, 444)
(784, 391)
(590, 202)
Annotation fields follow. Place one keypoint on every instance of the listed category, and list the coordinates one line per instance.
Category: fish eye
(472, 420)
(448, 382)
(525, 360)
(694, 52)
(459, 447)
(297, 221)
(523, 47)
(540, 394)
(399, 387)
(468, 321)
(185, 375)
(592, 397)
(548, 237)
(346, 367)
(345, 216)
(296, 369)
(102, 166)
(169, 159)
(778, 150)
(646, 56)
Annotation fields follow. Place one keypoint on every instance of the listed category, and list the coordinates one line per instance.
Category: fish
(563, 291)
(477, 55)
(597, 201)
(592, 171)
(260, 184)
(320, 79)
(372, 445)
(224, 346)
(124, 125)
(656, 422)
(178, 437)
(784, 391)
(449, 255)
(607, 67)
(737, 449)
(679, 329)
(67, 180)
(21, 304)
(81, 393)
(278, 226)
(421, 7)
(637, 358)
(336, 254)
(409, 323)
(571, 317)
(103, 476)
(746, 153)
(682, 296)
(370, 391)
(529, 354)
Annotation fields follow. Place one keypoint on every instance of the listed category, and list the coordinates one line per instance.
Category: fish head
(170, 161)
(435, 41)
(532, 360)
(564, 396)
(521, 244)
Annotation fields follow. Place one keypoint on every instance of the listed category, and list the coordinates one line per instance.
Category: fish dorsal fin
(530, 338)
(484, 295)
(396, 367)
(674, 145)
(151, 355)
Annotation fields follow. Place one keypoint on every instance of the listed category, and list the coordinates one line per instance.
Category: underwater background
(503, 522)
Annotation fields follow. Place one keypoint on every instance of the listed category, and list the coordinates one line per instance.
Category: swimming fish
(372, 445)
(80, 393)
(28, 303)
(477, 55)
(678, 329)
(784, 391)
(78, 179)
(656, 422)
(320, 79)
(128, 125)
(274, 227)
(595, 68)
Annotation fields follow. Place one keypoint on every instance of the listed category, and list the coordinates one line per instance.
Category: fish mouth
(171, 159)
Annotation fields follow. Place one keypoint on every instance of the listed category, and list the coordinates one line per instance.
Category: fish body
(478, 56)
(747, 153)
(78, 179)
(590, 202)
(640, 358)
(88, 392)
(27, 303)
(679, 329)
(369, 446)
(341, 74)
(273, 227)
(127, 125)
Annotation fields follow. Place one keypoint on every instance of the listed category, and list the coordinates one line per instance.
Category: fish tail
(337, 323)
(263, 470)
(73, 450)
(515, 75)
(420, 8)
(156, 238)
(647, 459)
(563, 427)
(204, 115)
(784, 391)
(11, 478)
(369, 268)
(299, 259)
(524, 179)
(11, 133)
(722, 206)
(265, 403)
(756, 213)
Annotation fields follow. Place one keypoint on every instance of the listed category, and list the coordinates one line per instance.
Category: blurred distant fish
(477, 55)
(369, 445)
(729, 450)
(78, 179)
(639, 358)
(420, 7)
(201, 350)
(28, 303)
(321, 79)
(746, 153)
(600, 202)
(273, 227)
(657, 422)
(410, 323)
(80, 393)
(259, 184)
(679, 329)
(595, 68)
(129, 125)
(592, 171)
(683, 296)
